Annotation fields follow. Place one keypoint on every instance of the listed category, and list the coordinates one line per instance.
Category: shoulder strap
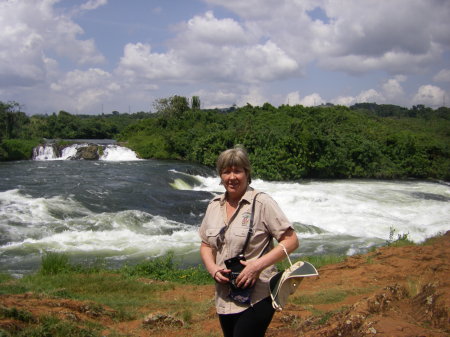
(250, 227)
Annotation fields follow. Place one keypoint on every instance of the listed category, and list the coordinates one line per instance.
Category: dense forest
(366, 140)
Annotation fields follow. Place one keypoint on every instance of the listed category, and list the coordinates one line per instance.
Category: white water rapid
(128, 211)
(110, 153)
(358, 208)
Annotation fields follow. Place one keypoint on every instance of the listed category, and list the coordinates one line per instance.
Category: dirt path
(401, 292)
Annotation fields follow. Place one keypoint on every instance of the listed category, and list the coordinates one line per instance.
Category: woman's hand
(208, 256)
(249, 275)
(253, 268)
(221, 275)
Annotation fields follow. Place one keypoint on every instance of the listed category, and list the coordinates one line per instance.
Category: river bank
(390, 291)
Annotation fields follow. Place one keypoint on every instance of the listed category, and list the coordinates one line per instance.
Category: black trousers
(253, 321)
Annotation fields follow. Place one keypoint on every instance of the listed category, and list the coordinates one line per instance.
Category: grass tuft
(401, 240)
(17, 314)
(55, 263)
(166, 269)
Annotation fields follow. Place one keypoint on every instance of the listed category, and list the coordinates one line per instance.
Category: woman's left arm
(253, 268)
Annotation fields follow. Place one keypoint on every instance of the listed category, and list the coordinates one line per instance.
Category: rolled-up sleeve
(212, 222)
(274, 218)
(202, 231)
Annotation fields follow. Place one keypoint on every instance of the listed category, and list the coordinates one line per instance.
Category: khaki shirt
(269, 222)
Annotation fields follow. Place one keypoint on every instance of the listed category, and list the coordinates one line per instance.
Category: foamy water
(65, 225)
(118, 153)
(127, 211)
(111, 152)
(358, 207)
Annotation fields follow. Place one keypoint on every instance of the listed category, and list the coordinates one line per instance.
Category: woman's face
(235, 181)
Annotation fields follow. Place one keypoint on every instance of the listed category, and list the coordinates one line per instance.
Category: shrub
(401, 240)
(17, 149)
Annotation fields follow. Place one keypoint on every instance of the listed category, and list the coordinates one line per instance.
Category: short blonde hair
(236, 156)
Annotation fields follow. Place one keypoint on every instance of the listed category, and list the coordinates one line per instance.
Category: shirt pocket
(239, 231)
(212, 236)
(238, 235)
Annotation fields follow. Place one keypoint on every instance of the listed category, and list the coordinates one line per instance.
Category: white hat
(286, 282)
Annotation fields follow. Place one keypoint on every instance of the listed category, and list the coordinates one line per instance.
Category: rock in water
(89, 152)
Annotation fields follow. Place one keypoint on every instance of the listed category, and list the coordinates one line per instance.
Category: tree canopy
(366, 140)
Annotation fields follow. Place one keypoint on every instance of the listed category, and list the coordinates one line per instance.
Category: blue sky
(94, 56)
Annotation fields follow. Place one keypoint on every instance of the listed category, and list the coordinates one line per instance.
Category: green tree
(195, 103)
(12, 121)
(174, 106)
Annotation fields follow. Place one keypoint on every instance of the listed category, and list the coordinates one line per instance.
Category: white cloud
(212, 31)
(93, 4)
(85, 89)
(360, 36)
(293, 98)
(393, 90)
(442, 76)
(235, 59)
(373, 35)
(366, 96)
(429, 95)
(344, 100)
(138, 62)
(254, 97)
(31, 31)
(209, 49)
(392, 61)
(216, 99)
(370, 95)
(314, 99)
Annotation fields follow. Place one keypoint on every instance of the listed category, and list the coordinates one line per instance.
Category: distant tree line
(366, 140)
(20, 133)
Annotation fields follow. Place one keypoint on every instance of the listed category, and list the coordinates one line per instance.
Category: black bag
(240, 295)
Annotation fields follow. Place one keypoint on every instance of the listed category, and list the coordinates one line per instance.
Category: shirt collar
(247, 197)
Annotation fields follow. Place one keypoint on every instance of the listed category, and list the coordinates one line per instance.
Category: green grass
(54, 327)
(5, 277)
(329, 296)
(123, 294)
(166, 269)
(400, 241)
(17, 314)
(432, 240)
(55, 263)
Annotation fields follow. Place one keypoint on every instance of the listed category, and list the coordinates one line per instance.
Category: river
(123, 210)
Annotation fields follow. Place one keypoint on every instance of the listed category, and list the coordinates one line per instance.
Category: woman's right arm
(209, 260)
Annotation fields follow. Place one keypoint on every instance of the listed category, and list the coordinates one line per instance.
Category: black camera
(236, 267)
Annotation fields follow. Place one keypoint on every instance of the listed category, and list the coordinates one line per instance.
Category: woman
(224, 230)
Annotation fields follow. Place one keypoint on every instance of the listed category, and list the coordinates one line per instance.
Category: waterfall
(118, 153)
(108, 152)
(44, 152)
